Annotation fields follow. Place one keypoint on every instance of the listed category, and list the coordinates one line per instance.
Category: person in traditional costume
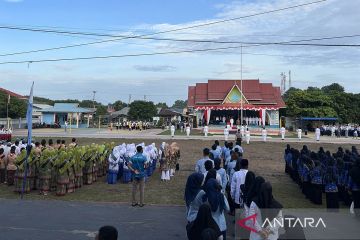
(165, 162)
(73, 143)
(45, 166)
(11, 167)
(264, 134)
(3, 162)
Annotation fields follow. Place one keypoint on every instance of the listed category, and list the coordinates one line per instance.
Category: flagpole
(28, 147)
(7, 112)
(241, 83)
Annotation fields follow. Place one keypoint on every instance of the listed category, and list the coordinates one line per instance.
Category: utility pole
(144, 97)
(94, 92)
(289, 79)
(129, 99)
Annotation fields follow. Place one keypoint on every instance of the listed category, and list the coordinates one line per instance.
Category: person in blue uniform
(330, 182)
(316, 183)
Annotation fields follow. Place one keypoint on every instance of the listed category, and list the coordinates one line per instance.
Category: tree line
(328, 101)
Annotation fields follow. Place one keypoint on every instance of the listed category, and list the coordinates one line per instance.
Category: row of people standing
(337, 174)
(222, 183)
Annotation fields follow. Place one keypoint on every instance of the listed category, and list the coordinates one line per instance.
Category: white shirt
(226, 131)
(172, 128)
(238, 178)
(282, 130)
(206, 129)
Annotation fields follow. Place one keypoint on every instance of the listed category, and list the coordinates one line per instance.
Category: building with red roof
(12, 94)
(219, 101)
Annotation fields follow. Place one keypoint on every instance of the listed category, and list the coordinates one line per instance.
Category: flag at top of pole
(29, 126)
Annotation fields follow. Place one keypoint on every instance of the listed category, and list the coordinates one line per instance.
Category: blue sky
(165, 78)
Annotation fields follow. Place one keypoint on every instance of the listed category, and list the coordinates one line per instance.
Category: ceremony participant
(226, 133)
(238, 136)
(222, 172)
(231, 122)
(114, 161)
(107, 233)
(317, 134)
(238, 179)
(215, 151)
(265, 207)
(238, 146)
(211, 173)
(330, 182)
(299, 132)
(137, 166)
(203, 221)
(355, 133)
(206, 130)
(73, 143)
(247, 136)
(200, 164)
(188, 130)
(193, 187)
(11, 167)
(3, 163)
(333, 130)
(172, 130)
(282, 132)
(354, 186)
(218, 204)
(165, 161)
(264, 134)
(242, 131)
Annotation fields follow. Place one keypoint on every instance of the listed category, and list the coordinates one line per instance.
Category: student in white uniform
(333, 129)
(188, 130)
(282, 132)
(231, 122)
(226, 133)
(355, 134)
(242, 131)
(299, 132)
(264, 134)
(317, 134)
(172, 130)
(247, 136)
(206, 130)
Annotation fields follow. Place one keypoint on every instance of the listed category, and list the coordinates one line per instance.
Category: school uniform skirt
(126, 178)
(316, 194)
(332, 200)
(112, 177)
(356, 199)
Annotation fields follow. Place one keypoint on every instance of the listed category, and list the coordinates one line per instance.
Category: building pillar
(77, 120)
(88, 120)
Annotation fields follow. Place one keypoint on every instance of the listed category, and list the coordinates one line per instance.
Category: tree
(101, 110)
(89, 104)
(161, 105)
(142, 110)
(335, 87)
(180, 104)
(17, 107)
(118, 105)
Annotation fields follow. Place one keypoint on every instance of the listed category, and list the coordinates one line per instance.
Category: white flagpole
(241, 83)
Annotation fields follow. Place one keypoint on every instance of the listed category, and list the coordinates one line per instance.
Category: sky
(165, 78)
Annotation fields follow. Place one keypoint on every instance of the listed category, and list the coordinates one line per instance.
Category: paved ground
(153, 134)
(43, 220)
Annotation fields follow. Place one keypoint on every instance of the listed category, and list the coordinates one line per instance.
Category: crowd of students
(337, 175)
(222, 183)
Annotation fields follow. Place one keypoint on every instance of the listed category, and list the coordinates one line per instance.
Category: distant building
(218, 101)
(120, 116)
(77, 116)
(37, 114)
(169, 115)
(12, 94)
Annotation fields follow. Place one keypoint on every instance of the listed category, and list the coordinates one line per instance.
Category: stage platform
(254, 130)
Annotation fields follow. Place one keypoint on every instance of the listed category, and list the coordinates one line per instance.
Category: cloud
(155, 68)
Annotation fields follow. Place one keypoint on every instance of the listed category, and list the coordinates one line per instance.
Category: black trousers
(332, 200)
(356, 199)
(316, 193)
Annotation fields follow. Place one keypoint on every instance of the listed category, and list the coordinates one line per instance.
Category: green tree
(161, 105)
(17, 107)
(335, 87)
(142, 110)
(101, 110)
(180, 104)
(118, 105)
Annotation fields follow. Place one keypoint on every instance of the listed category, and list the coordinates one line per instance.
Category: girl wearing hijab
(354, 186)
(193, 187)
(202, 225)
(245, 188)
(266, 209)
(218, 204)
(316, 184)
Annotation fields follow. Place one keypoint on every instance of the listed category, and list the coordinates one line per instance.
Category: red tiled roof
(214, 92)
(12, 94)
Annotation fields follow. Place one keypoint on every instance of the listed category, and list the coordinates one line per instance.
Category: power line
(150, 34)
(151, 54)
